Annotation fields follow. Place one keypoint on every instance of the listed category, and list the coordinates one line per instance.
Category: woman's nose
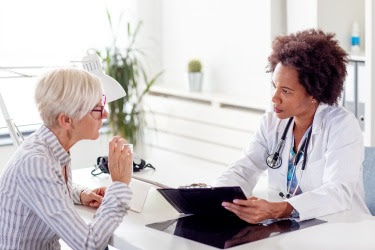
(105, 114)
(275, 98)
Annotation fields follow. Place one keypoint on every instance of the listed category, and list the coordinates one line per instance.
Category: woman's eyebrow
(282, 86)
(287, 88)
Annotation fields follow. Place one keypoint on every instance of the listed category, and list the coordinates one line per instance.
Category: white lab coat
(332, 181)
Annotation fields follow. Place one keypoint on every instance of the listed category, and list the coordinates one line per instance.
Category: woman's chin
(97, 136)
(94, 137)
(281, 115)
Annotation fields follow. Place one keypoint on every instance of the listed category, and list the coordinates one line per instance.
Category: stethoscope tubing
(274, 160)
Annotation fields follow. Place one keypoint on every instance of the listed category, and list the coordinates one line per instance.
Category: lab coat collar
(318, 119)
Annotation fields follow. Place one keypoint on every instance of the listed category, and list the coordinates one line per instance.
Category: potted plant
(195, 75)
(126, 65)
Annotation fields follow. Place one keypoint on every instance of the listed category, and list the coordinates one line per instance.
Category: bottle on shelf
(356, 39)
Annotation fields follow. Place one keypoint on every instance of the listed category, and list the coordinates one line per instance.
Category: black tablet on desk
(227, 231)
(202, 201)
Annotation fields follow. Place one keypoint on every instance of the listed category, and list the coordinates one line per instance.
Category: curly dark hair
(318, 59)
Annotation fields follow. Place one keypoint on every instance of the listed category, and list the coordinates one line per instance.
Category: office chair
(369, 178)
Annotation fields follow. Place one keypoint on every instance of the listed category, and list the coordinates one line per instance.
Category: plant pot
(195, 81)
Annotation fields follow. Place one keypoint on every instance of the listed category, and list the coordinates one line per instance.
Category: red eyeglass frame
(101, 109)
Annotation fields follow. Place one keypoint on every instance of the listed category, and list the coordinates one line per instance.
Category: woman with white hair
(37, 196)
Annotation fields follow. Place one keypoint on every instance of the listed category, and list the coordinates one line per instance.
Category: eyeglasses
(97, 112)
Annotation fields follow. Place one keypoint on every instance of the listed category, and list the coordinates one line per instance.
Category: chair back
(369, 178)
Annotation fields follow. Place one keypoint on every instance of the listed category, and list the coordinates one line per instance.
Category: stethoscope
(274, 160)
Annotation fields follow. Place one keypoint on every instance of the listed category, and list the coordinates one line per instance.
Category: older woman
(312, 148)
(37, 195)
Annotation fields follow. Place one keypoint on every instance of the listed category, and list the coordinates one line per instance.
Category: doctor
(312, 148)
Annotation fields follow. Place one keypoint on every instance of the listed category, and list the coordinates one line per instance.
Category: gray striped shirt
(37, 205)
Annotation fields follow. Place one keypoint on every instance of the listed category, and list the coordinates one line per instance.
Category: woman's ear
(64, 121)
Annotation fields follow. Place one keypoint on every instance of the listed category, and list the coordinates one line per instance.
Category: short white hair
(71, 91)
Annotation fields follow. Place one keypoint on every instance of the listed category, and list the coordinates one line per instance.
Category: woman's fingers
(120, 160)
(119, 147)
(112, 144)
(94, 204)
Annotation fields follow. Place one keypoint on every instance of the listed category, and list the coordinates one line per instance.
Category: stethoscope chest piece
(274, 161)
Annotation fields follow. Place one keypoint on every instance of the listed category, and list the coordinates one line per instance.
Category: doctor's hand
(93, 198)
(255, 210)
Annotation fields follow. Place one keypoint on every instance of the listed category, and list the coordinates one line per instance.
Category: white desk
(343, 231)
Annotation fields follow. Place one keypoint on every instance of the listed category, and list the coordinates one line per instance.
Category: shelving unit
(205, 128)
(357, 60)
(216, 100)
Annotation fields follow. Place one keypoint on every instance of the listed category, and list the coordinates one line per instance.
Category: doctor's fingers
(252, 202)
(253, 198)
(238, 210)
(250, 218)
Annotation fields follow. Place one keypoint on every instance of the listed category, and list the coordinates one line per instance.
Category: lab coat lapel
(316, 130)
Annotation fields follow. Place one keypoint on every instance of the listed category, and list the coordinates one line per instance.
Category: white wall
(231, 38)
(301, 15)
(329, 15)
(149, 37)
(338, 16)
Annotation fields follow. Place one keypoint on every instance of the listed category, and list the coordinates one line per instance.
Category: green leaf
(126, 65)
(149, 85)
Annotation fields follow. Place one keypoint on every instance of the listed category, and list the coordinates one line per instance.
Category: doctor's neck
(303, 121)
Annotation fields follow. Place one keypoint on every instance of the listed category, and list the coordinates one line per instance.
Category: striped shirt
(37, 204)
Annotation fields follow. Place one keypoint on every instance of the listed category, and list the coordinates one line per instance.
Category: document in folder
(202, 201)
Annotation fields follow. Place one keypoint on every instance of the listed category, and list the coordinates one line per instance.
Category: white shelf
(358, 57)
(214, 99)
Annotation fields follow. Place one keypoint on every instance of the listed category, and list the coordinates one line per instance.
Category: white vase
(195, 81)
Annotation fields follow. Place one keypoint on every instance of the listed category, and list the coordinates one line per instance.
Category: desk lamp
(112, 89)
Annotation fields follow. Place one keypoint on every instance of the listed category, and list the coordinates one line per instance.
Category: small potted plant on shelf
(195, 75)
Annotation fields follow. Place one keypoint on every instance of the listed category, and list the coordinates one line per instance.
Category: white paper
(140, 191)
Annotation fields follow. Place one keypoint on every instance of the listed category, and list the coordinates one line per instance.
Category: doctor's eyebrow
(274, 85)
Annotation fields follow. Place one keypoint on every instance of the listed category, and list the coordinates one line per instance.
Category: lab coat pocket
(313, 176)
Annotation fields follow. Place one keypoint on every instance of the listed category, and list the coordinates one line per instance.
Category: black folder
(202, 201)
